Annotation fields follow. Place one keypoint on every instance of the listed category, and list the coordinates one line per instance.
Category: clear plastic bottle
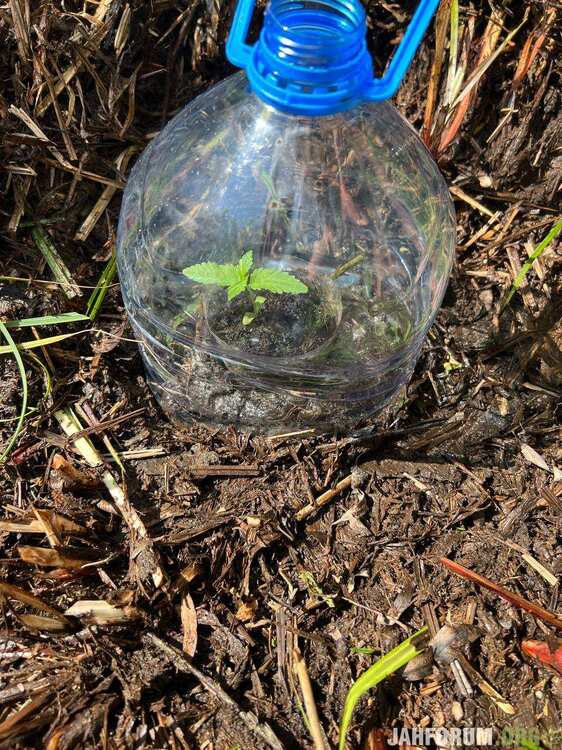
(285, 242)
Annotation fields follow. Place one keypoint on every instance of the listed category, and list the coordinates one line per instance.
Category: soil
(286, 324)
(209, 573)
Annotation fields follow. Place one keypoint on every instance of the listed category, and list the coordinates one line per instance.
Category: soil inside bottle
(287, 325)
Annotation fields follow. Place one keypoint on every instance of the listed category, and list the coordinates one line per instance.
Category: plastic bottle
(285, 242)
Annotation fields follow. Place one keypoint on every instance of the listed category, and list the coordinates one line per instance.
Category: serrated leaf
(213, 273)
(278, 282)
(236, 289)
(245, 263)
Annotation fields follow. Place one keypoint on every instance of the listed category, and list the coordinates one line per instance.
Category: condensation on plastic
(350, 203)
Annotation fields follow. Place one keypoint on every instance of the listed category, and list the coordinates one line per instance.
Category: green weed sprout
(242, 278)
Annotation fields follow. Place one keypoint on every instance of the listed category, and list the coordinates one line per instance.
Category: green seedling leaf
(248, 318)
(381, 669)
(245, 263)
(213, 273)
(278, 282)
(23, 409)
(526, 267)
(236, 289)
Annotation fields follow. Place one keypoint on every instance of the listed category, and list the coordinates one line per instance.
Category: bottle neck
(311, 57)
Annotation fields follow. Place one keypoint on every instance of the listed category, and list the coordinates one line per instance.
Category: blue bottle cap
(311, 57)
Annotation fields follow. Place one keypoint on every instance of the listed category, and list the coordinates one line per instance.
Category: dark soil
(208, 575)
(287, 324)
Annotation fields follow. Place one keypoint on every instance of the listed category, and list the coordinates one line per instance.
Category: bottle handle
(237, 50)
(387, 86)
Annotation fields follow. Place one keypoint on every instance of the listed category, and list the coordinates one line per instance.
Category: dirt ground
(204, 577)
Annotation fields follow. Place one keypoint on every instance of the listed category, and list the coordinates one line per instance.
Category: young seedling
(242, 278)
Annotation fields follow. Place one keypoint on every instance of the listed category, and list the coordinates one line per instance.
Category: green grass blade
(23, 410)
(55, 263)
(529, 745)
(47, 320)
(537, 252)
(383, 668)
(36, 343)
(98, 295)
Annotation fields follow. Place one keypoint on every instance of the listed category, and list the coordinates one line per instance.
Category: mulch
(166, 596)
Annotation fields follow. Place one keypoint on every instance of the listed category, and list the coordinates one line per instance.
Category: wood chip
(189, 625)
(100, 612)
(533, 457)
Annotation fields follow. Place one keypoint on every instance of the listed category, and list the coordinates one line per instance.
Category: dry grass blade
(453, 50)
(71, 426)
(531, 48)
(40, 622)
(485, 64)
(437, 64)
(309, 702)
(21, 28)
(488, 43)
(55, 263)
(103, 201)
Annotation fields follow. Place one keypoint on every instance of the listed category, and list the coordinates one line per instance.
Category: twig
(222, 470)
(182, 663)
(307, 510)
(510, 596)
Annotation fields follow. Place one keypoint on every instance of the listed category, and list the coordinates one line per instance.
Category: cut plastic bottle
(285, 243)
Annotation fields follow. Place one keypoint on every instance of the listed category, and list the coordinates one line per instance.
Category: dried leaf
(247, 610)
(72, 475)
(545, 653)
(52, 558)
(14, 592)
